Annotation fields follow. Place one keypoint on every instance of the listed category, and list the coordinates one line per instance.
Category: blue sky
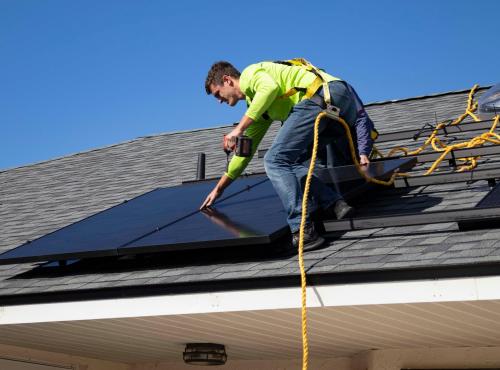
(77, 75)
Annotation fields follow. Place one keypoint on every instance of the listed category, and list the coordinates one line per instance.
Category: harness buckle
(332, 111)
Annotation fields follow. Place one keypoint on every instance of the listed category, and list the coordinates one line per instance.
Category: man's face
(227, 92)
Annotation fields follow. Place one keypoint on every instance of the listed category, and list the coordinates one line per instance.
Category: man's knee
(268, 160)
(275, 158)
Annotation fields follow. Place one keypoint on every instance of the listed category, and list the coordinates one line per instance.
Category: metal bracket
(332, 111)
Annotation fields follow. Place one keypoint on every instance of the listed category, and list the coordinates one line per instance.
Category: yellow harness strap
(314, 86)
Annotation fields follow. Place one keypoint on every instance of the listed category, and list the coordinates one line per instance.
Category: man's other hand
(214, 194)
(363, 160)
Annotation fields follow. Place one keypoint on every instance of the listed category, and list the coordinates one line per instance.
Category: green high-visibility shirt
(263, 85)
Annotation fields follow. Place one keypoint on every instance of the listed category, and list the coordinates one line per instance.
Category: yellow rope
(432, 140)
(489, 136)
(360, 169)
(439, 146)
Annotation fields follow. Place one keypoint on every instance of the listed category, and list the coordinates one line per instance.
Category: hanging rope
(432, 140)
(361, 171)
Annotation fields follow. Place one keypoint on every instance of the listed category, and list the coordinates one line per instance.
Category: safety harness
(311, 90)
(319, 81)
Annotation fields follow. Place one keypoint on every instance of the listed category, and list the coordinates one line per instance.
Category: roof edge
(333, 295)
(251, 283)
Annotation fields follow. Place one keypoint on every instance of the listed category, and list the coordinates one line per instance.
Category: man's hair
(217, 71)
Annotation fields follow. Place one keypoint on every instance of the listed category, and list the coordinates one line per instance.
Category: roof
(43, 197)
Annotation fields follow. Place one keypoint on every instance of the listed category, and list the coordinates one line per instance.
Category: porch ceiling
(269, 334)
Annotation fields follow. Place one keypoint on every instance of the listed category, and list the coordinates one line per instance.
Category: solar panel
(251, 217)
(151, 216)
(167, 219)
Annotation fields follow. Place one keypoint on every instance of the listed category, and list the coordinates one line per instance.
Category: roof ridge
(420, 97)
(217, 127)
(111, 146)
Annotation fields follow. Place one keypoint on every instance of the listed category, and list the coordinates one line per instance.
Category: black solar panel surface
(163, 217)
(250, 217)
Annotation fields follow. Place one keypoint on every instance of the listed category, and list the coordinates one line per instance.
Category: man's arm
(256, 131)
(223, 183)
(244, 123)
(225, 180)
(363, 127)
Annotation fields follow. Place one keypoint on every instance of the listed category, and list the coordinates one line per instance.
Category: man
(281, 91)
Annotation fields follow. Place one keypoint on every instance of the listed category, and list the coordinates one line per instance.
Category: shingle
(360, 233)
(373, 243)
(475, 252)
(272, 265)
(412, 249)
(116, 276)
(9, 291)
(320, 253)
(461, 246)
(404, 264)
(469, 261)
(434, 240)
(236, 267)
(196, 277)
(63, 287)
(495, 252)
(437, 248)
(236, 275)
(278, 272)
(18, 283)
(401, 257)
(163, 280)
(467, 237)
(129, 282)
(355, 267)
(364, 252)
(147, 274)
(353, 260)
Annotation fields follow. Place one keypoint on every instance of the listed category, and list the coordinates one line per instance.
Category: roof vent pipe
(200, 168)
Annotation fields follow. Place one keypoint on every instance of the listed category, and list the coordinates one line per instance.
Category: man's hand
(363, 160)
(214, 194)
(230, 139)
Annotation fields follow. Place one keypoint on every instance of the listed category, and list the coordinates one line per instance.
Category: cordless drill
(242, 147)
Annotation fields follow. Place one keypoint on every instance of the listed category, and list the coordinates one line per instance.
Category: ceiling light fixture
(205, 354)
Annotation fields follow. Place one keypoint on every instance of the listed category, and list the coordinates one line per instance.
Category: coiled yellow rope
(439, 146)
(489, 136)
(432, 139)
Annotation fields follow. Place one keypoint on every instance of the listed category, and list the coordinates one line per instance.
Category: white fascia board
(401, 292)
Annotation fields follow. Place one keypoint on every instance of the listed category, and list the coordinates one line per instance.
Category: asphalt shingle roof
(43, 197)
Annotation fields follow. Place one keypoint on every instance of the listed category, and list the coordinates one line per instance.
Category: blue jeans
(285, 160)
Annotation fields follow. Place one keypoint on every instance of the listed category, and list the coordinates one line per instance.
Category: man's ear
(227, 79)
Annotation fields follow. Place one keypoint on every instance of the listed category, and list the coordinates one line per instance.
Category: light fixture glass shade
(205, 354)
